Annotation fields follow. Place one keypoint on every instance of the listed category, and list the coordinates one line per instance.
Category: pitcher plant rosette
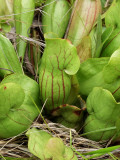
(64, 64)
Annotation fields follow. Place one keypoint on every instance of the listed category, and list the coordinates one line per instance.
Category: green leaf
(95, 104)
(37, 141)
(103, 150)
(106, 33)
(105, 36)
(84, 15)
(5, 27)
(103, 113)
(93, 38)
(112, 20)
(44, 146)
(69, 115)
(112, 70)
(18, 93)
(6, 9)
(98, 36)
(6, 16)
(24, 12)
(74, 90)
(59, 62)
(112, 15)
(50, 35)
(10, 102)
(93, 73)
(84, 49)
(89, 74)
(54, 21)
(69, 154)
(102, 39)
(9, 61)
(54, 149)
(112, 43)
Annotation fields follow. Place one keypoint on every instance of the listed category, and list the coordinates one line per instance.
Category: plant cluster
(76, 77)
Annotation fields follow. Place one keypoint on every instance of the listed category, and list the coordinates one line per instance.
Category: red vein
(46, 86)
(63, 87)
(52, 92)
(87, 15)
(16, 121)
(116, 90)
(69, 61)
(58, 62)
(58, 92)
(42, 80)
(111, 40)
(86, 20)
